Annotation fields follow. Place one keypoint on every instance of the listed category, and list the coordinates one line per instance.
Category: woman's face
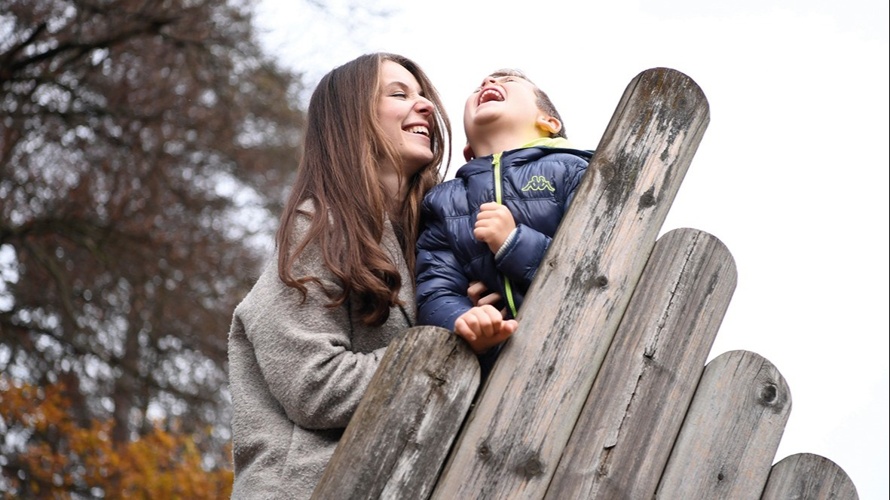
(405, 116)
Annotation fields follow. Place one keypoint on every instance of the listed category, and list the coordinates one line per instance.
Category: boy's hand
(493, 224)
(479, 296)
(484, 327)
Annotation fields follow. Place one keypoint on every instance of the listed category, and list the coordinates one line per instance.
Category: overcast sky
(791, 174)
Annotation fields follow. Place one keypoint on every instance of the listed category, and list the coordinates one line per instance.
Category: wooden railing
(604, 391)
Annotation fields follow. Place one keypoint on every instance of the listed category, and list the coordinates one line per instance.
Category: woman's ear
(548, 124)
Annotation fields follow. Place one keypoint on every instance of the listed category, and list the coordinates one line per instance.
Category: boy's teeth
(490, 95)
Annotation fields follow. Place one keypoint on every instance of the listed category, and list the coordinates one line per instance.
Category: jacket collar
(520, 156)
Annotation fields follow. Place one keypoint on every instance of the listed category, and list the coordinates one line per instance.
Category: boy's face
(503, 104)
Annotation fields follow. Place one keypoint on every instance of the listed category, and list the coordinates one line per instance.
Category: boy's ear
(548, 124)
(468, 152)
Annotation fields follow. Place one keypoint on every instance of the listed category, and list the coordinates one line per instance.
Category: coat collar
(515, 157)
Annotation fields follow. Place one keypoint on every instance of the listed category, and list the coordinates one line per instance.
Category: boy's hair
(544, 102)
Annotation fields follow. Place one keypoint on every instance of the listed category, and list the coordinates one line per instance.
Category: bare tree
(144, 146)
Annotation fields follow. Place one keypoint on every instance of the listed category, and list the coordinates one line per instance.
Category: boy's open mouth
(490, 94)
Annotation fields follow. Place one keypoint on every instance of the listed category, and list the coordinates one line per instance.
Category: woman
(306, 340)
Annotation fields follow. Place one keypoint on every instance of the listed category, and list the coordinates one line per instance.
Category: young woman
(306, 340)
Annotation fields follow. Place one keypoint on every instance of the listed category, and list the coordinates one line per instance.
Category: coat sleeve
(520, 258)
(303, 349)
(441, 282)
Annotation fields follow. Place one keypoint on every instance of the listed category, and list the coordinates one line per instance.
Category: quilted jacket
(536, 183)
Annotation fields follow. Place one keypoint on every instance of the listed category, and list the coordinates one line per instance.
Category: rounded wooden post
(808, 476)
(732, 431)
(399, 437)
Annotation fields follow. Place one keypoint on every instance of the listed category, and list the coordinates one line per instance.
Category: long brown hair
(339, 174)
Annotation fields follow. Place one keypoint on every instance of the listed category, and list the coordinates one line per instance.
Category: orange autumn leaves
(58, 457)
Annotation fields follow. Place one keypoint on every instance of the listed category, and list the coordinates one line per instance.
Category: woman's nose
(424, 105)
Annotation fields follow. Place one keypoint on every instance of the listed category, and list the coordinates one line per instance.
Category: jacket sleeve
(441, 282)
(522, 254)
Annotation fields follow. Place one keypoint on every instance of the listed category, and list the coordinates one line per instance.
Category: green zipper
(508, 289)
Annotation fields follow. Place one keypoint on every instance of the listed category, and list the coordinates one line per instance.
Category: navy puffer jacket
(537, 185)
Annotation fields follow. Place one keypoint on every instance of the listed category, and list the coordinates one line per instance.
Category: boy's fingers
(489, 300)
(511, 325)
(477, 293)
(475, 290)
(486, 329)
(507, 329)
(494, 320)
(483, 327)
(463, 331)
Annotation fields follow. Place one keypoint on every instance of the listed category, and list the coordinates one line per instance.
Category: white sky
(792, 172)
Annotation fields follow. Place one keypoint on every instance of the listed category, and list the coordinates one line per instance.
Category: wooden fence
(604, 391)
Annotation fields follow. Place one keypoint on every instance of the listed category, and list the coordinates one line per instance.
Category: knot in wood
(682, 103)
(484, 451)
(533, 467)
(601, 281)
(647, 199)
(768, 394)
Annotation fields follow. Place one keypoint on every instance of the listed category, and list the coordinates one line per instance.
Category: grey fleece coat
(297, 372)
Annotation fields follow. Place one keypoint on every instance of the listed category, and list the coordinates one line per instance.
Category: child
(494, 221)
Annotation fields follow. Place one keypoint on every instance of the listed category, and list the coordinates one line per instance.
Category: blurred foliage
(145, 150)
(65, 457)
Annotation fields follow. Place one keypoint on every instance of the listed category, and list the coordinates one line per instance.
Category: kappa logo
(538, 183)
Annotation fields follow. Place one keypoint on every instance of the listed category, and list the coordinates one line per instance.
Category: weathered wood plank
(807, 476)
(732, 431)
(399, 437)
(510, 445)
(634, 412)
